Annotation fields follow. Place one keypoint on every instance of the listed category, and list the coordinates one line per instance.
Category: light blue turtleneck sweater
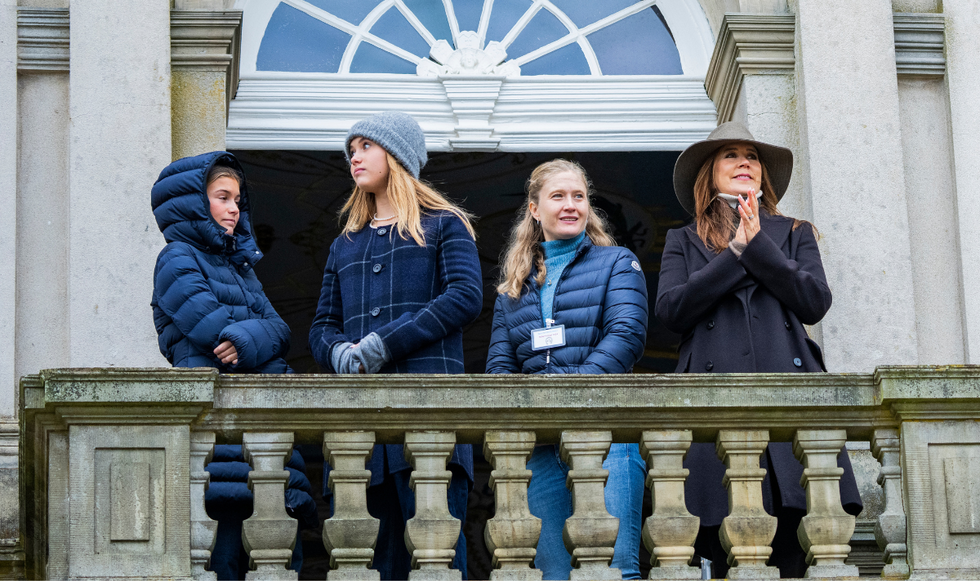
(557, 255)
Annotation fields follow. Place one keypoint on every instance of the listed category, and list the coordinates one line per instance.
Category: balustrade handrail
(76, 422)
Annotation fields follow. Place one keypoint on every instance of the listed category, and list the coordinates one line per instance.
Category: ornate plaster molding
(919, 43)
(42, 40)
(469, 59)
(203, 40)
(485, 113)
(748, 44)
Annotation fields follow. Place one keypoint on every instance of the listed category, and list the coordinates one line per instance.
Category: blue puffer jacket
(601, 299)
(205, 290)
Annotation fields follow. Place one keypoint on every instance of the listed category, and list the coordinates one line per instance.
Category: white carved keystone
(351, 533)
(432, 533)
(512, 534)
(747, 532)
(890, 529)
(826, 529)
(203, 529)
(590, 533)
(269, 535)
(669, 533)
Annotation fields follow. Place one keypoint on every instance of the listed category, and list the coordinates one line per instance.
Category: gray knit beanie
(398, 134)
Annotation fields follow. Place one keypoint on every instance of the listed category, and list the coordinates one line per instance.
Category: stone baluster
(203, 529)
(590, 533)
(890, 530)
(512, 534)
(826, 529)
(432, 533)
(351, 533)
(269, 534)
(748, 530)
(669, 533)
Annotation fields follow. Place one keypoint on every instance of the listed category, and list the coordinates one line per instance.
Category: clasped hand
(748, 211)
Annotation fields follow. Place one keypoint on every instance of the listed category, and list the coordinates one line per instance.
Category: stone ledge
(42, 40)
(207, 41)
(748, 44)
(919, 44)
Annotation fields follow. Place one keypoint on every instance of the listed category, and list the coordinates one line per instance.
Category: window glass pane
(568, 60)
(638, 45)
(504, 16)
(432, 15)
(371, 59)
(468, 13)
(393, 27)
(542, 29)
(585, 12)
(295, 41)
(353, 12)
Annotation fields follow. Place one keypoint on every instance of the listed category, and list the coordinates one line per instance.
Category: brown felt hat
(778, 161)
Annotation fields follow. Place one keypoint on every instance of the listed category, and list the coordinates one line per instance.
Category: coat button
(709, 366)
(382, 231)
(377, 268)
(375, 312)
(797, 362)
(787, 324)
(711, 325)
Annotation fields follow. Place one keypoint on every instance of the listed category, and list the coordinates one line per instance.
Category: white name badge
(548, 338)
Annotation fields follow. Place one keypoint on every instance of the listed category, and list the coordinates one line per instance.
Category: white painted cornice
(278, 111)
(748, 44)
(202, 40)
(42, 40)
(919, 41)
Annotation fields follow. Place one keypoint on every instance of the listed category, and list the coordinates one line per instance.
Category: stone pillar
(590, 533)
(848, 94)
(43, 340)
(512, 534)
(890, 530)
(8, 201)
(351, 533)
(11, 548)
(204, 64)
(963, 84)
(748, 530)
(669, 533)
(826, 529)
(432, 533)
(203, 529)
(269, 535)
(119, 138)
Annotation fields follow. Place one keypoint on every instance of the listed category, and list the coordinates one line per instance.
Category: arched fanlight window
(504, 75)
(525, 37)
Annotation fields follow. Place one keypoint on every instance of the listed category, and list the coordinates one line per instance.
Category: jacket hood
(180, 205)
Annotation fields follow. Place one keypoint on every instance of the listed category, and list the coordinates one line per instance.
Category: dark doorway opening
(296, 197)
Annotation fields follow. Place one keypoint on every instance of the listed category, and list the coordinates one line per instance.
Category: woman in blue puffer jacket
(564, 278)
(210, 311)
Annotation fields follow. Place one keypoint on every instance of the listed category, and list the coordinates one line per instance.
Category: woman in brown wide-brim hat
(739, 284)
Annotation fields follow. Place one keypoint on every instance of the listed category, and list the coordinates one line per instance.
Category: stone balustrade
(83, 428)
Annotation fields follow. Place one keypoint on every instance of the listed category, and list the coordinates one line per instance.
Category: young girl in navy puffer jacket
(210, 311)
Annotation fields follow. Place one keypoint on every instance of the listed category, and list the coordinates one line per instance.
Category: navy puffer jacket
(601, 299)
(205, 290)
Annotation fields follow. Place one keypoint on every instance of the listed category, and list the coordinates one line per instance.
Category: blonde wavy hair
(523, 251)
(409, 197)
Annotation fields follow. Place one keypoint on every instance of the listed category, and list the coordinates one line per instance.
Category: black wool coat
(744, 314)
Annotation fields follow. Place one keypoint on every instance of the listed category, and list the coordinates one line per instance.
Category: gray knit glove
(372, 353)
(342, 358)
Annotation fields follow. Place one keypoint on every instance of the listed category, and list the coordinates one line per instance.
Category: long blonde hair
(408, 196)
(523, 251)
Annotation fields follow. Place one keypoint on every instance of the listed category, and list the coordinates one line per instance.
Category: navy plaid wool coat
(416, 299)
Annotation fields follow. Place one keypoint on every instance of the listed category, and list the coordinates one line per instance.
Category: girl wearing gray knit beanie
(401, 282)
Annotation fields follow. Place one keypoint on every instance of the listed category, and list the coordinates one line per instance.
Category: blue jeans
(551, 501)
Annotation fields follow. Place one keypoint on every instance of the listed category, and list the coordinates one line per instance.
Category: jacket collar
(777, 228)
(583, 247)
